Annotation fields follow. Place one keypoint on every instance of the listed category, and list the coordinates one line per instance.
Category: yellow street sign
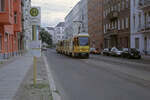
(34, 12)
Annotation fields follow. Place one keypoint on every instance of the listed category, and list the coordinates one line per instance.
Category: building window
(2, 5)
(15, 17)
(104, 28)
(123, 4)
(118, 24)
(134, 3)
(122, 23)
(134, 20)
(127, 22)
(137, 43)
(127, 3)
(119, 7)
(140, 19)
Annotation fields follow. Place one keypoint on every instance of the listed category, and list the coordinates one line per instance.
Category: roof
(61, 24)
(50, 28)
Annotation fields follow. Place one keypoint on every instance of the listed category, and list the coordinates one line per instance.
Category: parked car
(94, 51)
(44, 48)
(106, 51)
(116, 52)
(131, 53)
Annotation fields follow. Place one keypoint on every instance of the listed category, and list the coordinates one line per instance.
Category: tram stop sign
(34, 12)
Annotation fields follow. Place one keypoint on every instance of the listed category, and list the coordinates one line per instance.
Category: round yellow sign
(34, 12)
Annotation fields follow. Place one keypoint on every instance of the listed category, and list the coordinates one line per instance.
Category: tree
(45, 37)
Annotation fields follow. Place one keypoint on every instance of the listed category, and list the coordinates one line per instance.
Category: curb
(55, 95)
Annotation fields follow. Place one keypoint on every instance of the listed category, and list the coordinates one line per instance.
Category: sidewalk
(40, 91)
(11, 76)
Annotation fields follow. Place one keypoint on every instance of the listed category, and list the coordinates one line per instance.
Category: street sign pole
(34, 70)
(34, 59)
(35, 13)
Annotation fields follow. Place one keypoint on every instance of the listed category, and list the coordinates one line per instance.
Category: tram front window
(83, 41)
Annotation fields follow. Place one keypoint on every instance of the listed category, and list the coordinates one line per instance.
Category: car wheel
(128, 56)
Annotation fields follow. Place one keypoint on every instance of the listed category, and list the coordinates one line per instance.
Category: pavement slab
(40, 91)
(11, 76)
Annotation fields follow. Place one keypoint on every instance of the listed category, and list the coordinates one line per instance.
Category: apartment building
(84, 15)
(95, 23)
(10, 27)
(140, 25)
(26, 23)
(59, 32)
(72, 27)
(117, 23)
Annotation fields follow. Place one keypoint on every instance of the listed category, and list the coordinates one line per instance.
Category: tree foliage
(46, 37)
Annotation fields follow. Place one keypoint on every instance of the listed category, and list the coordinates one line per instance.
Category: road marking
(55, 94)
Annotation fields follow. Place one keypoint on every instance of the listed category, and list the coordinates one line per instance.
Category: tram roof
(83, 34)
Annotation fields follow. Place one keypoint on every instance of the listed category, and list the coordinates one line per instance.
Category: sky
(54, 11)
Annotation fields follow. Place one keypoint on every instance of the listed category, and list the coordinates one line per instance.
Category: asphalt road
(81, 79)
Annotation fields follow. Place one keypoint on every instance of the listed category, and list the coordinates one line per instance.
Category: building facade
(84, 15)
(77, 19)
(117, 23)
(72, 27)
(59, 32)
(10, 27)
(95, 23)
(26, 23)
(140, 25)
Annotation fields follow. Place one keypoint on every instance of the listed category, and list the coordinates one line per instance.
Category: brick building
(117, 23)
(95, 23)
(10, 27)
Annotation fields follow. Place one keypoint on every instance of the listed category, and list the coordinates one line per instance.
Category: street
(99, 78)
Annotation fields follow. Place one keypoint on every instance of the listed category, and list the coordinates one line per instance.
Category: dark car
(106, 51)
(131, 53)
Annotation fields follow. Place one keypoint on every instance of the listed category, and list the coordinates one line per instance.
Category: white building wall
(84, 15)
(135, 33)
(59, 34)
(27, 27)
(71, 28)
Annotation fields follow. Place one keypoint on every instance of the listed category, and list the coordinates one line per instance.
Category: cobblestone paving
(41, 91)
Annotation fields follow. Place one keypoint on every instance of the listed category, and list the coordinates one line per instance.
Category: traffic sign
(34, 12)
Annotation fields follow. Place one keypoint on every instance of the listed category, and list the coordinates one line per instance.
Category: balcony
(6, 12)
(111, 32)
(144, 27)
(113, 15)
(144, 5)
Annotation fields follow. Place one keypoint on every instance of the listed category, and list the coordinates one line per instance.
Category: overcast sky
(54, 11)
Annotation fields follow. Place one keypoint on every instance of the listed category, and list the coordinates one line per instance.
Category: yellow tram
(77, 46)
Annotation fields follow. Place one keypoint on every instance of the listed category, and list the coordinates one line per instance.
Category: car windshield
(83, 41)
(133, 50)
